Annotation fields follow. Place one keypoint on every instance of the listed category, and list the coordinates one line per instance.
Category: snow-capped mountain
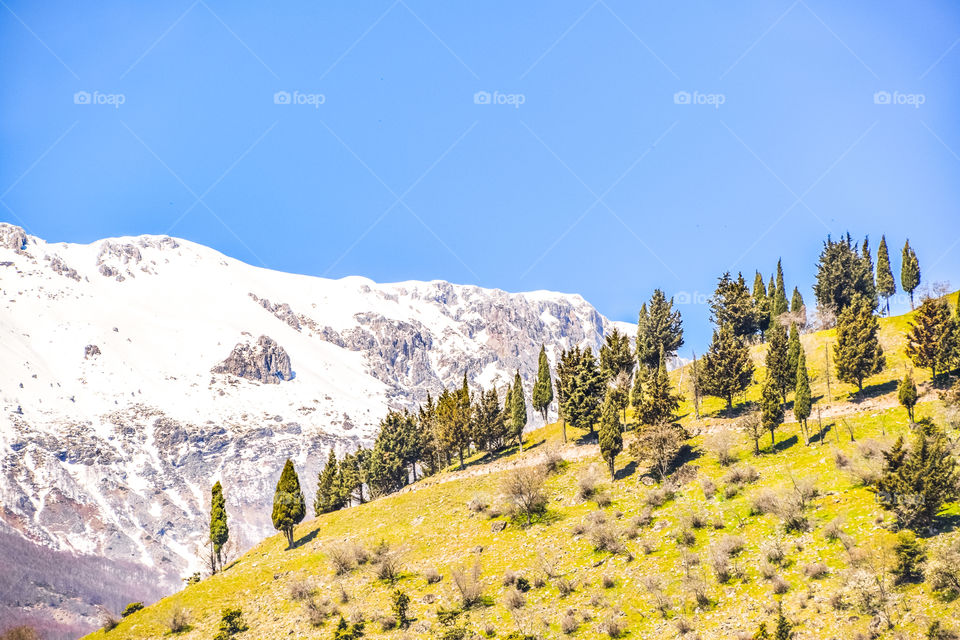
(137, 371)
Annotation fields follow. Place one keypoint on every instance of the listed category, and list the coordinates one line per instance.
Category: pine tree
(858, 353)
(616, 357)
(780, 294)
(352, 481)
(219, 532)
(583, 405)
(566, 371)
(796, 302)
(329, 487)
(778, 360)
(518, 410)
(761, 305)
(784, 628)
(389, 460)
(289, 507)
(886, 285)
(762, 633)
(732, 304)
(727, 368)
(793, 352)
(910, 558)
(907, 395)
(659, 402)
(659, 326)
(932, 339)
(543, 389)
(867, 269)
(841, 274)
(772, 298)
(611, 437)
(639, 382)
(771, 407)
(454, 421)
(909, 271)
(802, 402)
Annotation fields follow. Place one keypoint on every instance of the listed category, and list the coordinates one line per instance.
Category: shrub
(20, 633)
(401, 606)
(614, 626)
(178, 620)
(387, 623)
(108, 621)
(522, 584)
(565, 586)
(741, 474)
(587, 484)
(721, 444)
(686, 537)
(467, 583)
(943, 568)
(910, 558)
(231, 623)
(608, 581)
(816, 570)
(513, 599)
(683, 625)
(604, 538)
(773, 551)
(476, 505)
(569, 624)
(709, 488)
(388, 567)
(834, 529)
(764, 502)
(658, 496)
(524, 489)
(300, 589)
(552, 460)
(431, 575)
(779, 585)
(317, 611)
(936, 631)
(133, 607)
(342, 557)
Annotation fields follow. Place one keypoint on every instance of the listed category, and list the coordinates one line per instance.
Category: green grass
(432, 527)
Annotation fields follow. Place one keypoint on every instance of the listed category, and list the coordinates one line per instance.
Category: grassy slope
(434, 528)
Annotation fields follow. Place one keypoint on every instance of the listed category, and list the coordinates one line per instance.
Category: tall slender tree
(543, 388)
(858, 353)
(289, 507)
(566, 371)
(796, 301)
(932, 339)
(771, 407)
(586, 393)
(761, 305)
(731, 303)
(219, 531)
(611, 436)
(616, 357)
(779, 295)
(793, 354)
(909, 271)
(907, 395)
(886, 285)
(518, 410)
(329, 487)
(802, 402)
(778, 360)
(659, 402)
(660, 327)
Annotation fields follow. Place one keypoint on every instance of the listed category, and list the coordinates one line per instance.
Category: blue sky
(588, 171)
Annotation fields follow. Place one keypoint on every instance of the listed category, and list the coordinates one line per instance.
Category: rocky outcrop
(12, 237)
(59, 266)
(282, 311)
(91, 351)
(266, 361)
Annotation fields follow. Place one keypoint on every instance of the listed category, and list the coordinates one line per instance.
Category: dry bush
(318, 611)
(587, 483)
(659, 496)
(779, 585)
(730, 491)
(721, 444)
(608, 581)
(683, 625)
(647, 546)
(833, 529)
(767, 570)
(387, 623)
(614, 626)
(524, 490)
(840, 459)
(731, 544)
(763, 502)
(565, 586)
(552, 460)
(774, 552)
(791, 513)
(431, 575)
(467, 583)
(388, 566)
(513, 599)
(603, 537)
(942, 570)
(569, 624)
(477, 505)
(178, 620)
(717, 521)
(694, 519)
(300, 589)
(720, 561)
(578, 528)
(816, 570)
(342, 558)
(644, 519)
(602, 498)
(872, 449)
(697, 589)
(709, 488)
(741, 474)
(510, 577)
(686, 537)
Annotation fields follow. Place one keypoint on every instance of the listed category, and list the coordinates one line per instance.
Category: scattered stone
(498, 525)
(91, 351)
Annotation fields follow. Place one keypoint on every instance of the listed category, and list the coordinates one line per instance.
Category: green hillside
(627, 561)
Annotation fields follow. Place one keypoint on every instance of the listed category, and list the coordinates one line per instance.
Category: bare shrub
(608, 581)
(387, 623)
(524, 490)
(431, 575)
(833, 529)
(816, 570)
(647, 546)
(178, 620)
(721, 444)
(342, 558)
(477, 505)
(467, 583)
(731, 491)
(840, 459)
(683, 625)
(779, 585)
(658, 496)
(510, 577)
(317, 611)
(578, 528)
(659, 444)
(388, 567)
(552, 460)
(643, 519)
(686, 537)
(697, 588)
(731, 544)
(565, 586)
(763, 502)
(741, 474)
(709, 488)
(720, 561)
(614, 626)
(604, 538)
(513, 599)
(774, 552)
(767, 570)
(602, 498)
(717, 521)
(300, 589)
(569, 624)
(942, 571)
(694, 519)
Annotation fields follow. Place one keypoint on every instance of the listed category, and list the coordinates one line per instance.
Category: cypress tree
(780, 295)
(867, 269)
(886, 285)
(727, 368)
(802, 402)
(329, 487)
(659, 403)
(932, 339)
(793, 352)
(784, 629)
(796, 301)
(616, 357)
(778, 361)
(771, 407)
(219, 532)
(761, 304)
(858, 353)
(611, 438)
(566, 370)
(772, 298)
(518, 410)
(388, 462)
(639, 382)
(289, 507)
(583, 405)
(909, 271)
(350, 480)
(543, 389)
(907, 395)
(661, 328)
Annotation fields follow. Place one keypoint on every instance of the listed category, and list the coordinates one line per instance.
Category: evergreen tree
(289, 507)
(761, 305)
(932, 339)
(886, 285)
(841, 274)
(867, 265)
(543, 388)
(796, 301)
(639, 382)
(329, 487)
(566, 371)
(611, 437)
(426, 436)
(762, 633)
(219, 532)
(784, 629)
(388, 463)
(909, 271)
(858, 353)
(771, 407)
(727, 368)
(778, 360)
(616, 357)
(907, 395)
(659, 326)
(659, 402)
(518, 410)
(802, 402)
(490, 432)
(793, 352)
(732, 304)
(351, 480)
(453, 422)
(780, 295)
(910, 558)
(772, 297)
(583, 404)
(917, 484)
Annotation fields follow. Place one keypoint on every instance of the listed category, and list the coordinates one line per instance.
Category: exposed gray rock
(282, 311)
(12, 237)
(59, 266)
(91, 351)
(264, 362)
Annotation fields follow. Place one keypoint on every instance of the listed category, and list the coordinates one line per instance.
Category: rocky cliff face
(113, 428)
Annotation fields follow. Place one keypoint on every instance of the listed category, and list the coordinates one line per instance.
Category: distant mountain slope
(114, 426)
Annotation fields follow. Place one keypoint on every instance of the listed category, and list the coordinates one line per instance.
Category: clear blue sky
(598, 183)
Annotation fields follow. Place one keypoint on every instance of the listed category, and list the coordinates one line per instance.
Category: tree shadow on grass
(305, 539)
(875, 391)
(821, 435)
(627, 471)
(588, 438)
(946, 523)
(783, 445)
